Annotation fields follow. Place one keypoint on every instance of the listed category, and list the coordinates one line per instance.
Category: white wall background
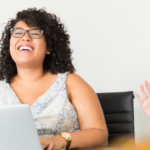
(110, 40)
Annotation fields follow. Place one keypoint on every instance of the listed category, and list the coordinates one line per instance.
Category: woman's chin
(25, 62)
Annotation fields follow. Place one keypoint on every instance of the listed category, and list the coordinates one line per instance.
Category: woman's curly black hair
(57, 39)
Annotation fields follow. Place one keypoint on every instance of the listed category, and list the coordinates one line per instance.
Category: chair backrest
(119, 113)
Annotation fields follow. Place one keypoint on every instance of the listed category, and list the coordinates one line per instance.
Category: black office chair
(119, 114)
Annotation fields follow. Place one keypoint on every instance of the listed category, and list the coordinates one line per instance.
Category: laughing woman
(36, 69)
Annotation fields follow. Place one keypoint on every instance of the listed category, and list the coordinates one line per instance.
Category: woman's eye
(18, 33)
(35, 34)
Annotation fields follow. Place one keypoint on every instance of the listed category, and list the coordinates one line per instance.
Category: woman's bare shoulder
(74, 78)
(76, 85)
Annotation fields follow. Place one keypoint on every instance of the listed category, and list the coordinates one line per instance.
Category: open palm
(145, 102)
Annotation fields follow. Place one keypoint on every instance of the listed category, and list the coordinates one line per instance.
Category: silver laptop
(17, 129)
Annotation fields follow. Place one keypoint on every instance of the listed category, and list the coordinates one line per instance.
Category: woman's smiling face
(37, 48)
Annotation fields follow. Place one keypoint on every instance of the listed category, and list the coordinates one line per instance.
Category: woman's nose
(26, 37)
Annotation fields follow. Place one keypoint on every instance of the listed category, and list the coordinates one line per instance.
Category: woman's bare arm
(91, 118)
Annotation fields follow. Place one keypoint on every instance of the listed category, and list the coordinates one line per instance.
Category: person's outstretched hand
(145, 102)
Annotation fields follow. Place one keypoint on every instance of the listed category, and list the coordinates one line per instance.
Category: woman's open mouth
(25, 48)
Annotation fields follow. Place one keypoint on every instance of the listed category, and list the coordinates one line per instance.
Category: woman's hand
(54, 142)
(145, 102)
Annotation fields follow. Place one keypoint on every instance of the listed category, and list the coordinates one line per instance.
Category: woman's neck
(29, 76)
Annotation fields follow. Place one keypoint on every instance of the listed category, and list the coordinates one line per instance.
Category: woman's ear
(48, 51)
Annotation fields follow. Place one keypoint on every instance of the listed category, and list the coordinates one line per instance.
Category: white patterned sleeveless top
(52, 112)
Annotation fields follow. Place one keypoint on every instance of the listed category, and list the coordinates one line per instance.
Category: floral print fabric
(52, 111)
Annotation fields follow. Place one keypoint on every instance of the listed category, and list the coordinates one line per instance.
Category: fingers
(50, 147)
(143, 92)
(139, 98)
(147, 85)
(44, 147)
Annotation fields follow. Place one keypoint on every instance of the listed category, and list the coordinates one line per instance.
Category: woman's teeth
(25, 48)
